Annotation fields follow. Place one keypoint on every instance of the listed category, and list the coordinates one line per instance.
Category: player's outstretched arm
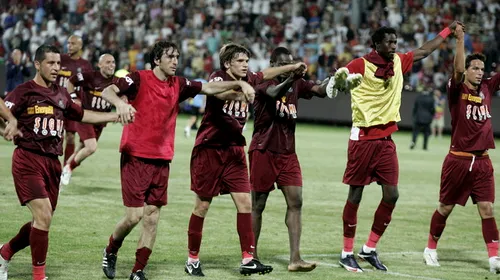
(273, 72)
(459, 61)
(99, 117)
(429, 46)
(277, 91)
(123, 109)
(230, 89)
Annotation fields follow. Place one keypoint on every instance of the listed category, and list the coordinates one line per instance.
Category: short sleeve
(260, 89)
(453, 88)
(494, 83)
(129, 85)
(79, 78)
(406, 61)
(356, 66)
(305, 89)
(16, 101)
(255, 78)
(188, 88)
(73, 111)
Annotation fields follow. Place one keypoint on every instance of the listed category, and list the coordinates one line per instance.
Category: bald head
(75, 45)
(107, 65)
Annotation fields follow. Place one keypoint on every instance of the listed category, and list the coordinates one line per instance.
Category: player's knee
(201, 209)
(92, 149)
(295, 205)
(70, 137)
(486, 210)
(258, 207)
(133, 219)
(43, 220)
(445, 210)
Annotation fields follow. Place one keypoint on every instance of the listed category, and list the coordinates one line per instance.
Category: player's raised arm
(429, 46)
(459, 62)
(272, 72)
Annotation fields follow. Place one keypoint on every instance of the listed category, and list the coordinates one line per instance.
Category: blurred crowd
(324, 34)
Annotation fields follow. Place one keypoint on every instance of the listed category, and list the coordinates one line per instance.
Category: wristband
(73, 95)
(445, 32)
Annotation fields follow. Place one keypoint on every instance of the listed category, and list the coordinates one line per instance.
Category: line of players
(218, 163)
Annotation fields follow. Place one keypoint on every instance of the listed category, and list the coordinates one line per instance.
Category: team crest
(79, 70)
(283, 99)
(290, 89)
(481, 94)
(61, 104)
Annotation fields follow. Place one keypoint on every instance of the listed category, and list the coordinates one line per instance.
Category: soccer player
(371, 154)
(272, 150)
(467, 169)
(72, 63)
(218, 162)
(41, 107)
(147, 145)
(9, 130)
(92, 83)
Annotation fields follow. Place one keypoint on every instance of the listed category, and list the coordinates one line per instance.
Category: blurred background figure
(17, 70)
(437, 124)
(423, 114)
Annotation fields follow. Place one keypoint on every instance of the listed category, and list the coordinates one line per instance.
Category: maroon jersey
(40, 114)
(92, 83)
(152, 133)
(70, 67)
(274, 126)
(223, 121)
(471, 115)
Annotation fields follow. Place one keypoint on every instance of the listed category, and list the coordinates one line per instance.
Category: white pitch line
(285, 257)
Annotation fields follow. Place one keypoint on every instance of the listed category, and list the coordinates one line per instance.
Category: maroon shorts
(89, 131)
(267, 167)
(371, 161)
(217, 171)
(462, 177)
(144, 181)
(70, 126)
(36, 176)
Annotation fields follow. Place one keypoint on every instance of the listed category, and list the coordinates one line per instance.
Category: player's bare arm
(273, 72)
(72, 93)
(217, 88)
(429, 46)
(99, 117)
(9, 129)
(459, 62)
(125, 111)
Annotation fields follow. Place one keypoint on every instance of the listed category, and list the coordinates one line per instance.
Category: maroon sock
(247, 238)
(17, 243)
(490, 235)
(39, 242)
(141, 258)
(438, 223)
(68, 151)
(194, 235)
(73, 164)
(350, 218)
(113, 245)
(382, 217)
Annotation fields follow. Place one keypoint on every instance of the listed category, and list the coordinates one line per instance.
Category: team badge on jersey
(61, 104)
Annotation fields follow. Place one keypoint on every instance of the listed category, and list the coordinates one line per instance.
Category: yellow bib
(376, 101)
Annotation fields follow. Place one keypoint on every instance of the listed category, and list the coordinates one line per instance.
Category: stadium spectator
(17, 70)
(423, 114)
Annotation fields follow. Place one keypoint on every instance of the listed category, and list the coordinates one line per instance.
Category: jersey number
(286, 110)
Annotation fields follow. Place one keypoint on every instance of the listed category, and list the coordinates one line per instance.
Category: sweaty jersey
(223, 121)
(275, 119)
(470, 110)
(152, 133)
(41, 113)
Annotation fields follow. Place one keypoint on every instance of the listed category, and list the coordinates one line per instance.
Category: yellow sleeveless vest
(376, 101)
